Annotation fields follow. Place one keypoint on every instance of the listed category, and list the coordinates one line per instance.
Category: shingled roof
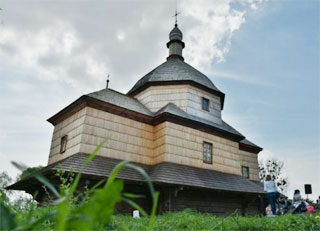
(174, 70)
(116, 98)
(175, 110)
(165, 173)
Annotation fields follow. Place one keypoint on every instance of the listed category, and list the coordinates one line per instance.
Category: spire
(175, 43)
(176, 16)
(108, 81)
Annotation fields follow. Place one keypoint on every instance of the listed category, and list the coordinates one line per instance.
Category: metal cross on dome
(176, 15)
(108, 81)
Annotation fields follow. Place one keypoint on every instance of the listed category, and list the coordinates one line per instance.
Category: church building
(170, 124)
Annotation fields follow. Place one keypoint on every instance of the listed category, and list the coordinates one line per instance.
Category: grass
(189, 220)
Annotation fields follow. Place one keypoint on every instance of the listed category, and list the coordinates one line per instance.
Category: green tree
(5, 180)
(274, 168)
(18, 200)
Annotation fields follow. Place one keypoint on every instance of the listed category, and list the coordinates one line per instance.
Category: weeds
(91, 214)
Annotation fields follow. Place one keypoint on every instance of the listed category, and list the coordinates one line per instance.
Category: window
(245, 171)
(207, 153)
(205, 104)
(63, 143)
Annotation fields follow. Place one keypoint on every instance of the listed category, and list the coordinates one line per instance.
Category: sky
(264, 55)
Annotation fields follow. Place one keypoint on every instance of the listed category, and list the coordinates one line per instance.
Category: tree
(5, 180)
(274, 168)
(18, 200)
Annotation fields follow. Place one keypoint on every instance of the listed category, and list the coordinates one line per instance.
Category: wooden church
(169, 123)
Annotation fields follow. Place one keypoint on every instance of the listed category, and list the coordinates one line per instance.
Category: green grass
(188, 220)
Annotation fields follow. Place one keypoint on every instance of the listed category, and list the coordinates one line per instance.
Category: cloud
(53, 53)
(242, 78)
(81, 43)
(213, 25)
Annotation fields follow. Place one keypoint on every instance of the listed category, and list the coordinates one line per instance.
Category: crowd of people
(298, 205)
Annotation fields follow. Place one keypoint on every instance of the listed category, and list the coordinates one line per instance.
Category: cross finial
(108, 81)
(176, 16)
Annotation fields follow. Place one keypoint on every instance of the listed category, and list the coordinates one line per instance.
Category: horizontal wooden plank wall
(184, 145)
(128, 139)
(186, 97)
(250, 160)
(73, 127)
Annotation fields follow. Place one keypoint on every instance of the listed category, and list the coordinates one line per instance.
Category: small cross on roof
(176, 15)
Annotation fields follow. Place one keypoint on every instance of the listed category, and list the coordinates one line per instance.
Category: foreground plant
(90, 215)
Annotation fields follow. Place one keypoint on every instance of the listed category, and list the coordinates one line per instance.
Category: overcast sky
(264, 55)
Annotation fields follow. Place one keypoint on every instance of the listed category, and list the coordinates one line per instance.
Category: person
(296, 196)
(299, 205)
(271, 189)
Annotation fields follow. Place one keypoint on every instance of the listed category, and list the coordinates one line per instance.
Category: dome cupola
(175, 33)
(175, 43)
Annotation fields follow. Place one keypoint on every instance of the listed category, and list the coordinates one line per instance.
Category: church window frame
(63, 143)
(205, 104)
(207, 152)
(245, 171)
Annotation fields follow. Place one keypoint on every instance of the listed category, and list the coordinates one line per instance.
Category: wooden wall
(126, 139)
(73, 127)
(184, 146)
(187, 97)
(142, 143)
(220, 203)
(250, 160)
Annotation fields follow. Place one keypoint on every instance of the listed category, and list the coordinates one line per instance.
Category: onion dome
(175, 43)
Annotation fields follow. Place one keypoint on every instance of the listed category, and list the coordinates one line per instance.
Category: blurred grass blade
(7, 220)
(144, 174)
(155, 199)
(31, 226)
(154, 194)
(135, 205)
(97, 184)
(115, 172)
(64, 208)
(88, 160)
(38, 176)
(132, 196)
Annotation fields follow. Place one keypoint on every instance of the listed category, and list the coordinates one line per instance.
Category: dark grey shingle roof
(169, 173)
(175, 70)
(175, 110)
(184, 175)
(116, 98)
(245, 141)
(128, 102)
